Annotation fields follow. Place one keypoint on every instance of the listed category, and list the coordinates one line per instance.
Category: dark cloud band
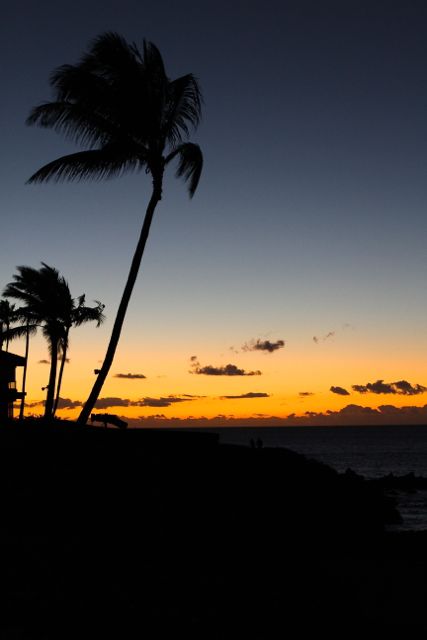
(130, 376)
(246, 395)
(401, 387)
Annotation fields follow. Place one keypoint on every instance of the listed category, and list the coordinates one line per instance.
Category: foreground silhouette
(126, 534)
(120, 104)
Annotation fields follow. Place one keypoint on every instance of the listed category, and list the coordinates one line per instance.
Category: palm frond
(118, 103)
(108, 55)
(75, 121)
(20, 332)
(83, 314)
(183, 108)
(152, 61)
(97, 164)
(190, 164)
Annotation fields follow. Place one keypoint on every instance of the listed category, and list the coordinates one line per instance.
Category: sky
(300, 260)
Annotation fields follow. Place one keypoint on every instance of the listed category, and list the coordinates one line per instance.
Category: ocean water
(370, 451)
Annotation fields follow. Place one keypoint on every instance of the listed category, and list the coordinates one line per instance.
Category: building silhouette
(8, 390)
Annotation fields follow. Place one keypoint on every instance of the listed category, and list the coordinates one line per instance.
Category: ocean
(370, 451)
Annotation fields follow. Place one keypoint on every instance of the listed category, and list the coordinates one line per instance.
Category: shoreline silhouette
(154, 532)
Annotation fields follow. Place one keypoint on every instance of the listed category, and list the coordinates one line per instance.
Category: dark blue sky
(311, 212)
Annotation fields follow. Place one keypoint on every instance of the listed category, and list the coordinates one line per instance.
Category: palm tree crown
(120, 104)
(121, 107)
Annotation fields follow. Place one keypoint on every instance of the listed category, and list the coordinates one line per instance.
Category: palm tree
(120, 104)
(48, 304)
(79, 314)
(9, 314)
(7, 317)
(28, 327)
(47, 299)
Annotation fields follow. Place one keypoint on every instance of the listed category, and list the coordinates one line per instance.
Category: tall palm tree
(119, 104)
(79, 314)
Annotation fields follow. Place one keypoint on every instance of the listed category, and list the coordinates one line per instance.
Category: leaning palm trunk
(48, 410)
(118, 323)
(24, 376)
(61, 371)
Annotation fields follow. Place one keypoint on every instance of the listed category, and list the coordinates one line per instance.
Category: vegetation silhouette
(7, 317)
(79, 314)
(25, 327)
(149, 540)
(121, 105)
(47, 303)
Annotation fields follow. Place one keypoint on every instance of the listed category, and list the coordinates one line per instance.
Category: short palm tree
(46, 298)
(79, 314)
(47, 303)
(119, 104)
(23, 327)
(7, 318)
(28, 327)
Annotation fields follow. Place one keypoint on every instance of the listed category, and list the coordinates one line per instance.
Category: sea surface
(370, 451)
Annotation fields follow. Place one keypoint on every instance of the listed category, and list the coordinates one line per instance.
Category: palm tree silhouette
(120, 104)
(79, 314)
(7, 317)
(46, 297)
(30, 328)
(47, 303)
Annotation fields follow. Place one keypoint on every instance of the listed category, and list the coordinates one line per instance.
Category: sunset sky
(302, 258)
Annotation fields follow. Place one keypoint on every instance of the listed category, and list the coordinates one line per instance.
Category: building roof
(11, 359)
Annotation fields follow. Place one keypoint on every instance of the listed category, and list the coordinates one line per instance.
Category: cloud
(263, 345)
(246, 395)
(190, 396)
(328, 335)
(43, 362)
(340, 391)
(305, 394)
(401, 387)
(38, 403)
(227, 370)
(66, 403)
(161, 402)
(155, 402)
(166, 401)
(103, 403)
(406, 389)
(130, 376)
